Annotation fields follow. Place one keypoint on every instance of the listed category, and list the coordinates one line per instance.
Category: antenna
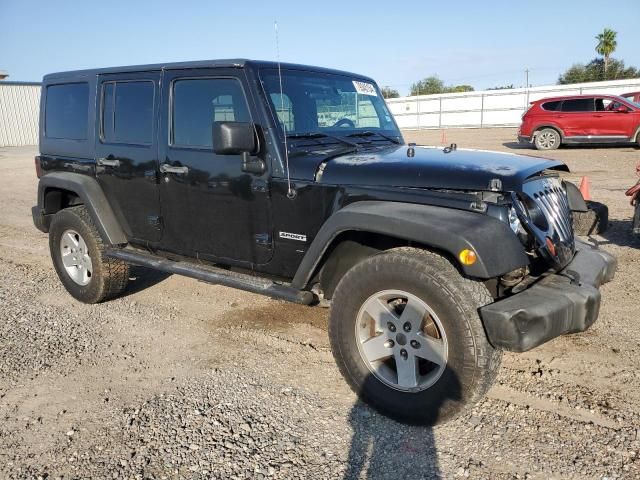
(290, 192)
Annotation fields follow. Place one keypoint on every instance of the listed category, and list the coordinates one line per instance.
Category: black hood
(431, 167)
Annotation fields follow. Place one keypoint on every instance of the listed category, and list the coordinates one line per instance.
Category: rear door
(127, 151)
(576, 116)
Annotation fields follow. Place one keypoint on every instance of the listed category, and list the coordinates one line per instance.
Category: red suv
(551, 122)
(632, 97)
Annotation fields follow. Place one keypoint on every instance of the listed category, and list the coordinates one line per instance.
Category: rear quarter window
(552, 106)
(66, 111)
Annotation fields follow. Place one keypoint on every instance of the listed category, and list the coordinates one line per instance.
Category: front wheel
(547, 139)
(406, 334)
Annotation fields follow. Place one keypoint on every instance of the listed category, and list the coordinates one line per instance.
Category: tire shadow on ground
(141, 278)
(620, 232)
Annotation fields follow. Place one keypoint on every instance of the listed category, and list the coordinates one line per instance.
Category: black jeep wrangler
(295, 182)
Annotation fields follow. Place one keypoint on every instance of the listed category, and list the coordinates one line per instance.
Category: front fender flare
(498, 249)
(93, 198)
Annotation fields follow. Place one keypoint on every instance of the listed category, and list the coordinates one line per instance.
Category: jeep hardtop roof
(230, 63)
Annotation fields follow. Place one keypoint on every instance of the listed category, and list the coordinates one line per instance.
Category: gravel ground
(180, 379)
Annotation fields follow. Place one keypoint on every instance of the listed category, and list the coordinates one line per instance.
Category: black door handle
(108, 162)
(166, 168)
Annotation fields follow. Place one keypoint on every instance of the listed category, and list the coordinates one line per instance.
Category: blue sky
(396, 42)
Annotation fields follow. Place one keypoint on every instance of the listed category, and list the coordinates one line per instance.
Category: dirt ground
(181, 379)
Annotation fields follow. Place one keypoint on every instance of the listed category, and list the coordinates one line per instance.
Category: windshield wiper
(368, 133)
(323, 135)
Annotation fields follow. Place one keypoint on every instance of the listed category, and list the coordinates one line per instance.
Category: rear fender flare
(93, 198)
(497, 248)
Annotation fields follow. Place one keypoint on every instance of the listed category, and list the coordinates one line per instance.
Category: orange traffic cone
(584, 188)
(443, 137)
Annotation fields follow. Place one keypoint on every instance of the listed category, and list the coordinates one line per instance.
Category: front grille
(553, 201)
(544, 208)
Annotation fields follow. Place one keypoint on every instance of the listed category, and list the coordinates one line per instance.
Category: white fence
(489, 108)
(19, 112)
(20, 105)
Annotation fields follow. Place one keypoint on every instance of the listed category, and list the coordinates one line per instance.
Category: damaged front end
(557, 293)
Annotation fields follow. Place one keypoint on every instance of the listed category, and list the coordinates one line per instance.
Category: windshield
(316, 102)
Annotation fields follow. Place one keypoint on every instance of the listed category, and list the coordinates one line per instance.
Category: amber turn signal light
(551, 247)
(467, 257)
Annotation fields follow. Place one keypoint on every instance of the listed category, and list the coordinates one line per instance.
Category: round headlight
(533, 211)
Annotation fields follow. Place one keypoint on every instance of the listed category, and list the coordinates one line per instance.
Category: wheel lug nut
(404, 354)
(407, 327)
(389, 343)
(415, 344)
(391, 327)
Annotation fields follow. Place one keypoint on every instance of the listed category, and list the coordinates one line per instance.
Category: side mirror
(233, 138)
(622, 109)
(238, 138)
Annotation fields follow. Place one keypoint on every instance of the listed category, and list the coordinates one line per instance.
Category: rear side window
(552, 106)
(578, 105)
(127, 112)
(197, 103)
(66, 111)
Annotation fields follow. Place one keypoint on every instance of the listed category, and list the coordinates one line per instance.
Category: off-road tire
(109, 276)
(472, 363)
(592, 222)
(547, 139)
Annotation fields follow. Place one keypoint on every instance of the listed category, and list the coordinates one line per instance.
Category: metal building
(19, 111)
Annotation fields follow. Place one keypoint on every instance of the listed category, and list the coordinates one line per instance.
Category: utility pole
(526, 87)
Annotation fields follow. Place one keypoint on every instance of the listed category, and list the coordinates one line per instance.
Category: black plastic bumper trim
(40, 220)
(561, 303)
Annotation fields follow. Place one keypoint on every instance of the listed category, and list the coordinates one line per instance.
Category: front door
(211, 208)
(609, 122)
(127, 151)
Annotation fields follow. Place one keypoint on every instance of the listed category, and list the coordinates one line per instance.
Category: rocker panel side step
(214, 275)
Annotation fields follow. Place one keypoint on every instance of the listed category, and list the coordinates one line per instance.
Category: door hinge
(263, 239)
(155, 221)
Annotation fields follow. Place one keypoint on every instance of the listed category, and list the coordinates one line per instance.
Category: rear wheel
(79, 258)
(547, 139)
(406, 335)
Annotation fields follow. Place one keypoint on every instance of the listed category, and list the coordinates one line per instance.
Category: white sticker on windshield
(365, 88)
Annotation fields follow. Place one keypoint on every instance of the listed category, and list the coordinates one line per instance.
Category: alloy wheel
(75, 257)
(401, 340)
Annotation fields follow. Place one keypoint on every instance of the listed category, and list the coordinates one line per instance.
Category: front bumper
(561, 303)
(525, 139)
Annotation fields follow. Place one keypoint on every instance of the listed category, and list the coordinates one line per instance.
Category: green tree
(428, 86)
(433, 84)
(388, 92)
(606, 45)
(459, 88)
(594, 71)
(502, 87)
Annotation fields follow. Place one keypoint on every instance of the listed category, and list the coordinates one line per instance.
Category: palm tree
(606, 45)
